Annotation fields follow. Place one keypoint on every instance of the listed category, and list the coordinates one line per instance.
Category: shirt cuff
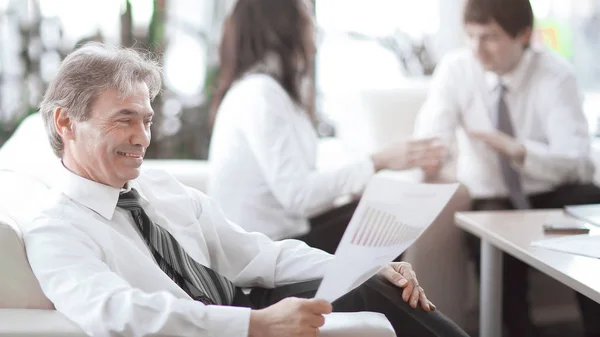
(367, 169)
(369, 166)
(227, 321)
(540, 163)
(534, 159)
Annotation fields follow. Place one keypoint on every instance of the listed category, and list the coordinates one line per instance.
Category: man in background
(523, 140)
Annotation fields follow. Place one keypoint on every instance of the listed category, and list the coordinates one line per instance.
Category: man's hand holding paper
(391, 215)
(402, 275)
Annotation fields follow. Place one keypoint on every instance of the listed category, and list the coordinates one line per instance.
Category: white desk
(512, 232)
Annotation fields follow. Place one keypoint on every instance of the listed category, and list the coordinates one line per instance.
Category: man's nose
(141, 135)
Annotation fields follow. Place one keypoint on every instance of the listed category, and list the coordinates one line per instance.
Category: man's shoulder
(55, 203)
(550, 65)
(156, 176)
(459, 65)
(164, 191)
(61, 221)
(55, 210)
(160, 182)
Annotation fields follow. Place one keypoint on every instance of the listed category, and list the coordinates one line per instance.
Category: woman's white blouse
(263, 162)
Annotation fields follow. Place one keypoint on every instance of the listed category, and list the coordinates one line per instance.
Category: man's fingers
(430, 169)
(477, 134)
(425, 162)
(424, 159)
(408, 290)
(414, 297)
(422, 142)
(309, 332)
(427, 154)
(432, 306)
(403, 267)
(426, 147)
(318, 306)
(423, 300)
(394, 277)
(316, 321)
(489, 138)
(316, 309)
(388, 272)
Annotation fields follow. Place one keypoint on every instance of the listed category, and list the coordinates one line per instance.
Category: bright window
(372, 43)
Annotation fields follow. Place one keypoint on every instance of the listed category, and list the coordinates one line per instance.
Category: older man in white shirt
(522, 137)
(123, 252)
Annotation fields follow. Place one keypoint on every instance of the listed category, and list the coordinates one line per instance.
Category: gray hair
(87, 73)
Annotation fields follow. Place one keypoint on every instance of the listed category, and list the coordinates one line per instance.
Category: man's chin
(487, 66)
(132, 173)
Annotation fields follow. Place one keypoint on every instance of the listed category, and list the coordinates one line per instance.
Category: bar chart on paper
(379, 228)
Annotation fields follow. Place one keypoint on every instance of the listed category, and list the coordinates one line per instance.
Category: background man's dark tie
(512, 179)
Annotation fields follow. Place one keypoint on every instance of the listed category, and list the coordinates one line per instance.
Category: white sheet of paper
(391, 215)
(582, 244)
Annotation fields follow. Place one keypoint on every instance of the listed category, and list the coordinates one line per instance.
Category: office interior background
(373, 66)
(367, 46)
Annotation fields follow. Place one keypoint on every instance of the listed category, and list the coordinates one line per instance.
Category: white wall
(452, 35)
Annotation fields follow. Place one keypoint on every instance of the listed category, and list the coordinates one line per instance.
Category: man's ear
(525, 36)
(63, 123)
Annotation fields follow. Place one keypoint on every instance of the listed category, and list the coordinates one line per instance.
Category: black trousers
(516, 315)
(327, 229)
(376, 295)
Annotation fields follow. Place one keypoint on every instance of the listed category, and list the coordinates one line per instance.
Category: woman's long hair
(258, 29)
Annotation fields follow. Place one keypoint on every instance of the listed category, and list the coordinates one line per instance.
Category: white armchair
(26, 174)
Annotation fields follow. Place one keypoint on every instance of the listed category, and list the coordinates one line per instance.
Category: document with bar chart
(391, 215)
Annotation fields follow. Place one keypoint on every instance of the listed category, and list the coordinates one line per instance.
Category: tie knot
(130, 200)
(501, 89)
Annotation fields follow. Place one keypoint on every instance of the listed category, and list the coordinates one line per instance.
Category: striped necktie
(512, 179)
(201, 283)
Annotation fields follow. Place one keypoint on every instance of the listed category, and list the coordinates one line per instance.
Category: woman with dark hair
(264, 145)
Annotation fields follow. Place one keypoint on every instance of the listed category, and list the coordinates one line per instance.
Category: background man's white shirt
(545, 105)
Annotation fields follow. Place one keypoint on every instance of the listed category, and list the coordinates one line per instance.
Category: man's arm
(565, 156)
(440, 114)
(69, 267)
(252, 259)
(287, 261)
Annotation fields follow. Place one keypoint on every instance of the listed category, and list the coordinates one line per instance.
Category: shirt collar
(512, 80)
(135, 184)
(98, 197)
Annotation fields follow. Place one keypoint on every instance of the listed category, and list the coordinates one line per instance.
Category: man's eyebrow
(129, 112)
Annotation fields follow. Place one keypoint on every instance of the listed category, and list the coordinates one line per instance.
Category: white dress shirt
(97, 270)
(545, 106)
(263, 162)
